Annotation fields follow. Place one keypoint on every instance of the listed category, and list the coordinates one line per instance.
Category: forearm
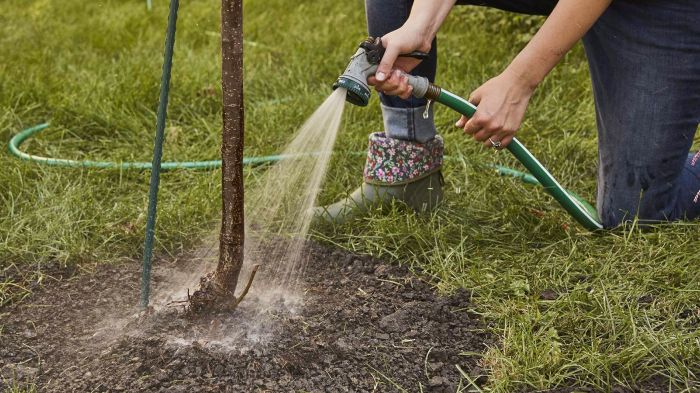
(428, 15)
(567, 23)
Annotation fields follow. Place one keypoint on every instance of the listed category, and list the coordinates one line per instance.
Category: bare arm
(568, 22)
(502, 101)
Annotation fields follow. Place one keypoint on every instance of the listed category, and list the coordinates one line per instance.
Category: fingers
(506, 141)
(501, 142)
(480, 124)
(493, 134)
(387, 63)
(395, 85)
(482, 128)
(488, 129)
(392, 83)
(475, 97)
(408, 93)
(478, 121)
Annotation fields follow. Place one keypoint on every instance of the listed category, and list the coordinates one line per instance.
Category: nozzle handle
(416, 55)
(374, 49)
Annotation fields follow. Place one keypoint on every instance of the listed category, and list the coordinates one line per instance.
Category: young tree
(232, 231)
(217, 288)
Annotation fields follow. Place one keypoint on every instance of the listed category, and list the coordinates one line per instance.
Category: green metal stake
(158, 154)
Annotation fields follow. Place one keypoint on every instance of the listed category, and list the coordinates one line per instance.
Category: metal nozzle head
(358, 93)
(362, 65)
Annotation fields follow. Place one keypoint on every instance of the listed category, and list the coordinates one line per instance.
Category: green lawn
(604, 310)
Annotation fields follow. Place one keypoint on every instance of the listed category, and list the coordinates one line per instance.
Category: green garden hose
(22, 136)
(576, 206)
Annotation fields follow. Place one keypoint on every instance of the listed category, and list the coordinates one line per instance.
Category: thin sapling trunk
(217, 288)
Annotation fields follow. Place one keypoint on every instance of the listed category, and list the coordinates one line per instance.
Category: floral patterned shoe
(395, 170)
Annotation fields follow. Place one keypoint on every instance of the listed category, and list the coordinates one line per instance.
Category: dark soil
(361, 325)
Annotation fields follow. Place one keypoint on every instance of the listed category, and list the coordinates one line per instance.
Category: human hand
(501, 104)
(389, 78)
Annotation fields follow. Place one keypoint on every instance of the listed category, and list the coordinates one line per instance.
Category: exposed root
(247, 286)
(212, 297)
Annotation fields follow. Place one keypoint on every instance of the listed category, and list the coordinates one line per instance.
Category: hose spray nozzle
(364, 63)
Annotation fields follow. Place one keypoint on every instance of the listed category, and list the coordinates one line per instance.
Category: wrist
(423, 30)
(427, 16)
(526, 75)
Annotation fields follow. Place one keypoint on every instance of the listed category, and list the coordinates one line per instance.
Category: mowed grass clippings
(571, 307)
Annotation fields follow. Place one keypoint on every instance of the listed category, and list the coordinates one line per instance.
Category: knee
(614, 216)
(644, 209)
(646, 194)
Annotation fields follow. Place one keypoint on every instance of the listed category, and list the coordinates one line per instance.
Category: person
(644, 61)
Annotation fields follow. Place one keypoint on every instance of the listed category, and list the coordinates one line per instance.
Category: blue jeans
(644, 59)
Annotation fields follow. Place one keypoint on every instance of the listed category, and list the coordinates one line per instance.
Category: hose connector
(422, 88)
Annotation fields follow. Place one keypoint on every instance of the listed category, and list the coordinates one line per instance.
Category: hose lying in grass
(21, 137)
(25, 134)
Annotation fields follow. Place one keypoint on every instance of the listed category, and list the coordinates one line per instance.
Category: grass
(570, 307)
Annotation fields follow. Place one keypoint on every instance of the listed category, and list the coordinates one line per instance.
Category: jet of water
(279, 206)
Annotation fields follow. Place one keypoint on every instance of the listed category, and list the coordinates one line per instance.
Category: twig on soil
(176, 303)
(391, 381)
(391, 282)
(425, 362)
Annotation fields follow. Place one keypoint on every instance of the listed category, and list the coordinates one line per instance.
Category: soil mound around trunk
(353, 324)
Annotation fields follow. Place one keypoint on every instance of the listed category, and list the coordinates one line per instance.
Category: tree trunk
(217, 289)
(232, 223)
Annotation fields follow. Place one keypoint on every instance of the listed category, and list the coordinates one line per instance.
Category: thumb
(387, 63)
(475, 97)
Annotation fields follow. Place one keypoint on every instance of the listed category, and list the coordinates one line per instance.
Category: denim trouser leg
(644, 57)
(403, 119)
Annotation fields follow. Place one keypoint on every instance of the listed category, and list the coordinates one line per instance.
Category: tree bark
(231, 238)
(217, 289)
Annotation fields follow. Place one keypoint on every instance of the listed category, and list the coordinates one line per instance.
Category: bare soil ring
(353, 324)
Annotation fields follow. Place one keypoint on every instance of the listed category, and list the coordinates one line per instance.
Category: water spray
(364, 63)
